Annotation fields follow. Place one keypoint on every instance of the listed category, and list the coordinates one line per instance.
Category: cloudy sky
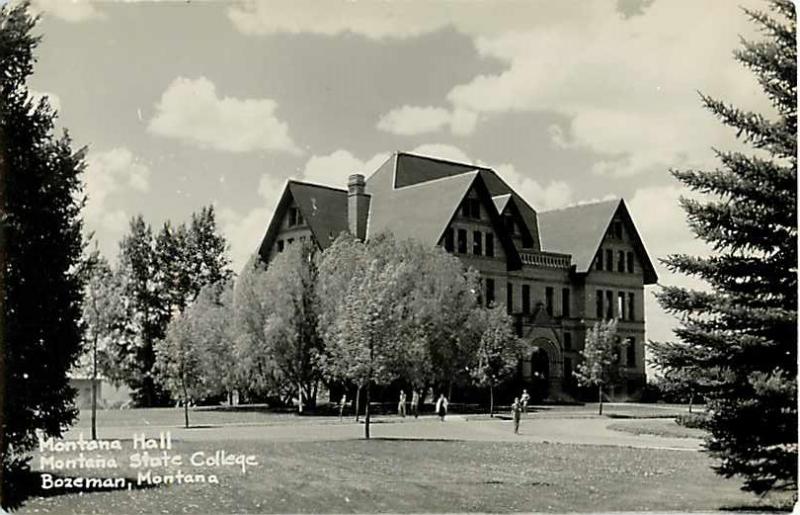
(183, 104)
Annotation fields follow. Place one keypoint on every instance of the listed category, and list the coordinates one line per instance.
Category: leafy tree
(147, 312)
(102, 317)
(291, 324)
(601, 353)
(40, 254)
(178, 365)
(498, 349)
(738, 338)
(212, 314)
(366, 344)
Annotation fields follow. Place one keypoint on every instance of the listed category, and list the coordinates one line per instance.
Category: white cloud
(411, 120)
(68, 10)
(244, 231)
(627, 85)
(334, 168)
(191, 111)
(108, 174)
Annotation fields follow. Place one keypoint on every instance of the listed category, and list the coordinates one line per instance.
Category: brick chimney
(357, 206)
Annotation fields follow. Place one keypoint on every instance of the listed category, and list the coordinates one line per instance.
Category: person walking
(415, 403)
(516, 410)
(441, 407)
(342, 404)
(524, 399)
(401, 406)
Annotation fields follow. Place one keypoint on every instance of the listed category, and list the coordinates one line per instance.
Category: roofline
(441, 160)
(315, 185)
(583, 204)
(425, 183)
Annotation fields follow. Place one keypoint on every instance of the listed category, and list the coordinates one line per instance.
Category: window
(489, 244)
(448, 240)
(527, 241)
(280, 245)
(609, 304)
(471, 208)
(489, 292)
(462, 241)
(630, 262)
(526, 298)
(295, 217)
(620, 261)
(618, 230)
(617, 350)
(621, 305)
(598, 260)
(290, 241)
(548, 300)
(477, 243)
(510, 297)
(567, 369)
(609, 260)
(599, 303)
(567, 341)
(475, 208)
(631, 350)
(565, 302)
(630, 307)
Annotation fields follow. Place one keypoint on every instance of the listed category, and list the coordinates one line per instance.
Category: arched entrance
(542, 368)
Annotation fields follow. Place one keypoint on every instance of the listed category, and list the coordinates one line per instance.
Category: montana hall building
(558, 272)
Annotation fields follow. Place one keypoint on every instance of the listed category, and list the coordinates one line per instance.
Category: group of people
(519, 406)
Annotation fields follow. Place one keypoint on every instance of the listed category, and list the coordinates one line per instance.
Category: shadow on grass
(759, 508)
(412, 439)
(29, 484)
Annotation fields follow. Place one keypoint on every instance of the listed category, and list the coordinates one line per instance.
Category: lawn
(426, 476)
(658, 427)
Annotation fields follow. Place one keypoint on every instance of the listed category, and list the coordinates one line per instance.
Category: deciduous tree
(601, 357)
(498, 349)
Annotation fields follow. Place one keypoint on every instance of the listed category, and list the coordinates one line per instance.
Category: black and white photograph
(398, 256)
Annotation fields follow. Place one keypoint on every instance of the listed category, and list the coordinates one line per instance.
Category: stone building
(558, 272)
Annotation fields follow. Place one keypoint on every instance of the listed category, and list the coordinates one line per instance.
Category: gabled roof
(425, 209)
(324, 210)
(579, 231)
(404, 169)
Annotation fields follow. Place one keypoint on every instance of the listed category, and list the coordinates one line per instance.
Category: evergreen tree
(40, 255)
(738, 338)
(206, 251)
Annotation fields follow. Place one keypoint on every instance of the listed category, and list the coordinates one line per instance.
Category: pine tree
(41, 248)
(738, 338)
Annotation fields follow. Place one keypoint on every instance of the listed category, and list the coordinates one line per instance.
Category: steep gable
(580, 230)
(323, 209)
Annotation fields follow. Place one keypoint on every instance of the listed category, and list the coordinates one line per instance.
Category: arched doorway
(540, 374)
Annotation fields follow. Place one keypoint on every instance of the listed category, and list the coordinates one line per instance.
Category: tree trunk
(299, 397)
(600, 396)
(366, 414)
(691, 401)
(450, 391)
(94, 387)
(3, 343)
(358, 401)
(491, 400)
(185, 408)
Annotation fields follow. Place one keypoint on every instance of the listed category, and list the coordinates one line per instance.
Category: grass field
(427, 476)
(658, 427)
